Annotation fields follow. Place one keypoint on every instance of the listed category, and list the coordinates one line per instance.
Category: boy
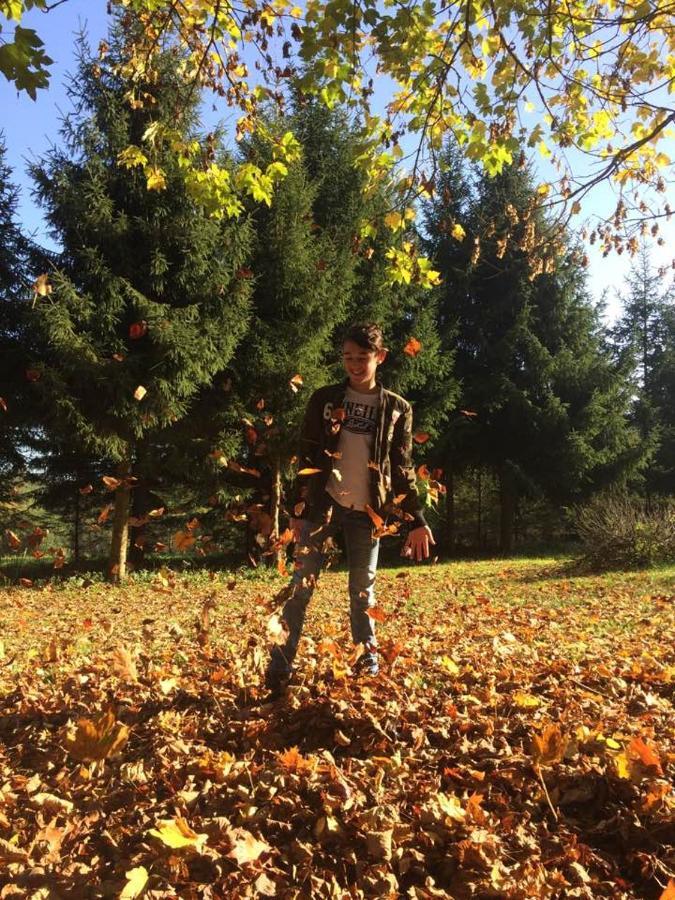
(359, 436)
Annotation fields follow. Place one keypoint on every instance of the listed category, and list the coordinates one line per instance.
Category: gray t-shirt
(349, 483)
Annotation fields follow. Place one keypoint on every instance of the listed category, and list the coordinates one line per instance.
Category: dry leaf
(140, 392)
(136, 880)
(97, 739)
(177, 834)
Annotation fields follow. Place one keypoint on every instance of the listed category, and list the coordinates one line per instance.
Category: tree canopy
(587, 85)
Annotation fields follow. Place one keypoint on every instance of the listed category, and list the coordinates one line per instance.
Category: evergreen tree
(641, 339)
(541, 405)
(663, 467)
(14, 292)
(147, 299)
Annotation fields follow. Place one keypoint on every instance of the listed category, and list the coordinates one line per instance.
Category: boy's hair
(367, 335)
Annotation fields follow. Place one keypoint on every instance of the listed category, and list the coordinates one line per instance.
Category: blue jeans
(362, 552)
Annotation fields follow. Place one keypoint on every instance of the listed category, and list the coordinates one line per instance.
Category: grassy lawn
(519, 741)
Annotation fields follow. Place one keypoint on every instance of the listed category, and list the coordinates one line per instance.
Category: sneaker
(367, 664)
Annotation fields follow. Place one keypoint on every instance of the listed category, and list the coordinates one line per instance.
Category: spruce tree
(15, 418)
(541, 405)
(147, 300)
(641, 339)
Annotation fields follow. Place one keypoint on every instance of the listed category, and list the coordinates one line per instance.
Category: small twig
(543, 784)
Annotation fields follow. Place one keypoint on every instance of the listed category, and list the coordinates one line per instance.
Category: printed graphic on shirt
(361, 417)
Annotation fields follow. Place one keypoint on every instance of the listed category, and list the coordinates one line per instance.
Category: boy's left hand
(417, 544)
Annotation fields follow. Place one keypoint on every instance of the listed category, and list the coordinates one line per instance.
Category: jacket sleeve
(402, 469)
(308, 447)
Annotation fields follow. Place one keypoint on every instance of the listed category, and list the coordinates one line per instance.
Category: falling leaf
(97, 739)
(548, 747)
(87, 489)
(177, 834)
(13, 540)
(124, 664)
(138, 330)
(413, 347)
(526, 701)
(669, 892)
(422, 437)
(277, 629)
(42, 287)
(309, 471)
(246, 848)
(468, 412)
(111, 483)
(377, 614)
(458, 232)
(136, 880)
(296, 383)
(140, 392)
(156, 513)
(105, 513)
(3, 404)
(183, 540)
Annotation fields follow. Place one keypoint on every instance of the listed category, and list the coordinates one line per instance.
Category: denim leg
(310, 560)
(362, 552)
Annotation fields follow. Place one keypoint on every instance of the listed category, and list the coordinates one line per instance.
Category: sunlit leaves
(96, 739)
(177, 835)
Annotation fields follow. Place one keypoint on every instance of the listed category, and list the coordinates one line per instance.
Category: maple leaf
(111, 483)
(13, 540)
(296, 383)
(177, 834)
(140, 392)
(421, 437)
(124, 664)
(42, 287)
(549, 747)
(245, 847)
(105, 513)
(97, 739)
(413, 347)
(293, 761)
(136, 880)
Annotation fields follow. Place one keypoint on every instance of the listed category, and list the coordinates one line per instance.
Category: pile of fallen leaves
(519, 741)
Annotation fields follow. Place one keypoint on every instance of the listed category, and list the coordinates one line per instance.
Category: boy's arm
(402, 469)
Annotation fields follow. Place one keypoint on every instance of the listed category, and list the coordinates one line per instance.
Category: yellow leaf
(458, 232)
(136, 880)
(449, 665)
(140, 392)
(526, 701)
(177, 834)
(451, 807)
(42, 287)
(155, 179)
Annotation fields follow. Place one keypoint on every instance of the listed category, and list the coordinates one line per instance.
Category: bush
(620, 531)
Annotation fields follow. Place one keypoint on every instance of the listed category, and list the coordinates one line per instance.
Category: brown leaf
(97, 739)
(124, 664)
(548, 747)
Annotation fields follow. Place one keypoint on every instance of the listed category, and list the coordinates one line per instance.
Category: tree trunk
(76, 526)
(449, 538)
(507, 507)
(275, 505)
(117, 569)
(479, 508)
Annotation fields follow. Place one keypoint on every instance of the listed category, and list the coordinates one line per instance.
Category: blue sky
(30, 127)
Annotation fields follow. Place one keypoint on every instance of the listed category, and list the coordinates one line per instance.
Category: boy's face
(361, 365)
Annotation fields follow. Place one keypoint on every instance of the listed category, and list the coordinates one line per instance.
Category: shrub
(620, 531)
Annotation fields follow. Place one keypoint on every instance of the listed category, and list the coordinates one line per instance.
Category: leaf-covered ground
(519, 742)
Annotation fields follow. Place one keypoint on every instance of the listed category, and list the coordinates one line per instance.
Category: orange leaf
(669, 893)
(548, 747)
(13, 540)
(25, 582)
(105, 512)
(183, 540)
(111, 483)
(377, 613)
(309, 471)
(294, 761)
(296, 383)
(377, 520)
(639, 750)
(422, 437)
(413, 347)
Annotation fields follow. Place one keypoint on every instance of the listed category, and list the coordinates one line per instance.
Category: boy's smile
(361, 365)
